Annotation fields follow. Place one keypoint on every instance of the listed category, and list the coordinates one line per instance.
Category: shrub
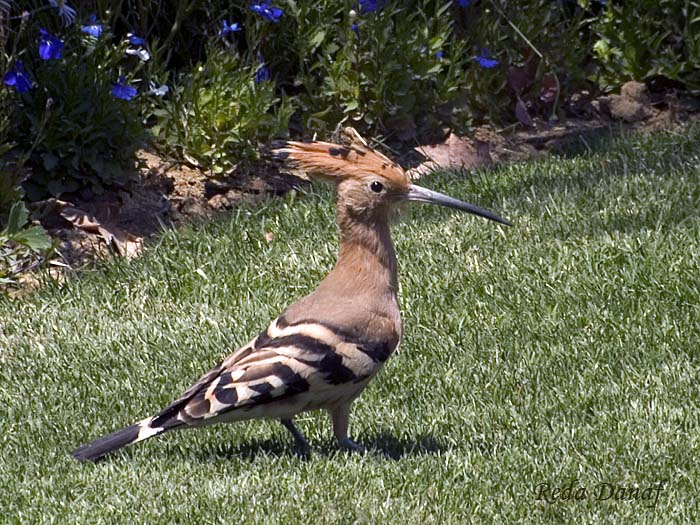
(543, 46)
(384, 69)
(9, 181)
(639, 39)
(422, 64)
(22, 246)
(221, 113)
(76, 133)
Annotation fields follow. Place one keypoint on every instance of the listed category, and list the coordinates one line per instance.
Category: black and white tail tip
(121, 438)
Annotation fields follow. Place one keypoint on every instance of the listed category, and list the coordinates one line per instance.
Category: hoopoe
(321, 352)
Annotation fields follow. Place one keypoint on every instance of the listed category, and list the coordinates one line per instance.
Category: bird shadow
(382, 444)
(393, 447)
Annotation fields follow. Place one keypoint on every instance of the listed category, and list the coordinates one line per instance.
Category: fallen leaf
(519, 78)
(455, 152)
(124, 243)
(522, 114)
(127, 245)
(81, 219)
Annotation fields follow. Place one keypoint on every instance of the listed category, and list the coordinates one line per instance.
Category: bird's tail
(121, 438)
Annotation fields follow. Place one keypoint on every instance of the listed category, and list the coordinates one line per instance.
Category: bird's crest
(352, 158)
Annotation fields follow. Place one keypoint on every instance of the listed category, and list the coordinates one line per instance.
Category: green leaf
(35, 238)
(318, 38)
(436, 43)
(441, 11)
(18, 217)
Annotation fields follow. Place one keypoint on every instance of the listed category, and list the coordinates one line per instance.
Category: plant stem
(537, 52)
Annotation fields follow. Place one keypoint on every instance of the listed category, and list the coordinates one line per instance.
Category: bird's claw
(349, 445)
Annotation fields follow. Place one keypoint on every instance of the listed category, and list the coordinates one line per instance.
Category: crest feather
(331, 162)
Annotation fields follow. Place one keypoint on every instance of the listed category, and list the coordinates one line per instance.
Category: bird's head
(368, 182)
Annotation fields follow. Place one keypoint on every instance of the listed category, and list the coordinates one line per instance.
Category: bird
(324, 349)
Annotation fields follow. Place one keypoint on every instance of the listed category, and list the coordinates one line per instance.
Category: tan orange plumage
(331, 162)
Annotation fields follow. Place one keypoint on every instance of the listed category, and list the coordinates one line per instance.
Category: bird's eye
(376, 186)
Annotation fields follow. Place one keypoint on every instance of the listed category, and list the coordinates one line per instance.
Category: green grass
(564, 348)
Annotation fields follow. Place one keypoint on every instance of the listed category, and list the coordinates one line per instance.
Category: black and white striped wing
(280, 373)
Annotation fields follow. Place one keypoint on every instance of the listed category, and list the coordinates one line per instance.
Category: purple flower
(485, 60)
(226, 29)
(17, 78)
(135, 40)
(439, 54)
(93, 28)
(50, 47)
(370, 6)
(262, 74)
(122, 90)
(265, 10)
(355, 28)
(464, 3)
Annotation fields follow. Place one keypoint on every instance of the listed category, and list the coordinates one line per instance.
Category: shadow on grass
(382, 444)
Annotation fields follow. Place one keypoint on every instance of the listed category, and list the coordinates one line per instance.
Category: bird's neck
(367, 260)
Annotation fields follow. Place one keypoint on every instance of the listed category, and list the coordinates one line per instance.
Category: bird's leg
(340, 415)
(302, 444)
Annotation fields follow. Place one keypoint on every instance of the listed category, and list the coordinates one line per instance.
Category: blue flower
(486, 63)
(17, 78)
(439, 54)
(66, 12)
(122, 90)
(485, 60)
(464, 3)
(50, 47)
(355, 28)
(370, 6)
(93, 28)
(226, 28)
(138, 49)
(135, 40)
(262, 74)
(265, 10)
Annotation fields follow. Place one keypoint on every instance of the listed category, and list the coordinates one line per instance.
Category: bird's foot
(303, 449)
(349, 445)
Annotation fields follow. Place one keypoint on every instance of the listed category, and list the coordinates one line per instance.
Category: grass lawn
(564, 350)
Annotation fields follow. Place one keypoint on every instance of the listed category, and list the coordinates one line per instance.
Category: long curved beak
(419, 194)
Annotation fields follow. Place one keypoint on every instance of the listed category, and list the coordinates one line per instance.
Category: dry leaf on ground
(125, 244)
(455, 152)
